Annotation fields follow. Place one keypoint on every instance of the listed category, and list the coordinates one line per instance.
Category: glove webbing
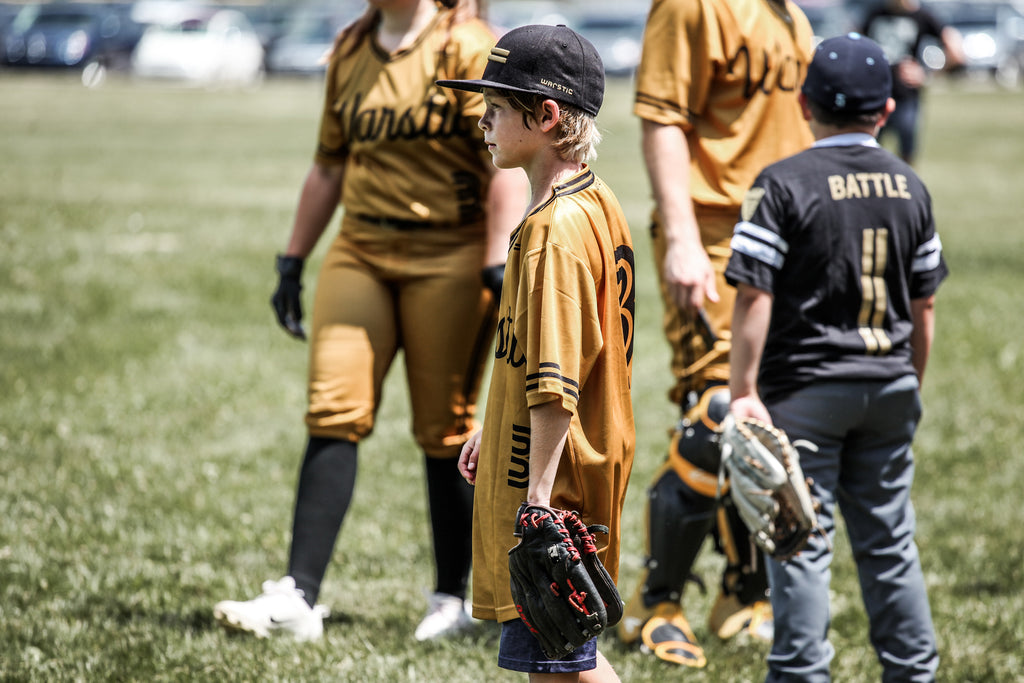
(534, 518)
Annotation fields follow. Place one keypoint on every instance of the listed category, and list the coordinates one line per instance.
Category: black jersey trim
(575, 184)
(661, 103)
(574, 395)
(570, 386)
(562, 378)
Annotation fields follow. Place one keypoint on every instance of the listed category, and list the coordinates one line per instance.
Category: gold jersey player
(424, 214)
(716, 92)
(558, 428)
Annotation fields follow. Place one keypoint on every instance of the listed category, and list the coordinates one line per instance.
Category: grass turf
(150, 417)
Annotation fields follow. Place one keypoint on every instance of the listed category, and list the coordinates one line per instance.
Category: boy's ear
(549, 115)
(805, 110)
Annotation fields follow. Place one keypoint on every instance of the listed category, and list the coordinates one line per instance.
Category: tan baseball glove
(768, 486)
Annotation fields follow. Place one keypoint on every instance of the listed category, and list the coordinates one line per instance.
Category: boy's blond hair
(577, 136)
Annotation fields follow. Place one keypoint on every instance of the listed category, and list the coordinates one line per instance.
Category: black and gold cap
(552, 61)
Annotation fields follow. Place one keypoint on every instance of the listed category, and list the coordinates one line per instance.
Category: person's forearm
(923, 314)
(751, 317)
(549, 429)
(667, 159)
(318, 201)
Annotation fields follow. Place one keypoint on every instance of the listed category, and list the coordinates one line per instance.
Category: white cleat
(280, 610)
(446, 616)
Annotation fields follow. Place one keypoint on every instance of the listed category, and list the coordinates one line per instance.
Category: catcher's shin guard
(678, 520)
(745, 574)
(681, 500)
(742, 603)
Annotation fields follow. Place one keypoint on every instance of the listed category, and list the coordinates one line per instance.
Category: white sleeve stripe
(757, 250)
(934, 244)
(922, 264)
(928, 256)
(763, 234)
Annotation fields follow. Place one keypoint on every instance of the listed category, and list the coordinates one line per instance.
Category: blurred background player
(424, 214)
(716, 92)
(900, 26)
(559, 424)
(837, 261)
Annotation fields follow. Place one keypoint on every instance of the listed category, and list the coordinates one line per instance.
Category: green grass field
(151, 411)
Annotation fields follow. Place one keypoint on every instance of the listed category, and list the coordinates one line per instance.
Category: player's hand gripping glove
(287, 299)
(768, 486)
(563, 593)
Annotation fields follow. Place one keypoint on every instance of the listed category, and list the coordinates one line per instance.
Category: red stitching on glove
(577, 598)
(523, 617)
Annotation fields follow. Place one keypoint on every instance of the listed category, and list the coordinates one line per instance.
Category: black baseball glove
(563, 593)
(287, 299)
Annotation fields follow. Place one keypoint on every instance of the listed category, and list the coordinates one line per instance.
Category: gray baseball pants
(864, 462)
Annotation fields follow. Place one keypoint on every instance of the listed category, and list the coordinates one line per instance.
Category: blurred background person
(416, 266)
(900, 27)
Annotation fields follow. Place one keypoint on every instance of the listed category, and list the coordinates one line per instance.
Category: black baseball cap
(848, 74)
(552, 61)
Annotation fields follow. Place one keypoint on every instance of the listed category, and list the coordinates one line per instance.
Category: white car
(208, 47)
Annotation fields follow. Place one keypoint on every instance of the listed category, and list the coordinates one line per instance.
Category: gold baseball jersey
(728, 71)
(565, 333)
(413, 151)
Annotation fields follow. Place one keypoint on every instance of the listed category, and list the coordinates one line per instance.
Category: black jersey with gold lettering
(844, 238)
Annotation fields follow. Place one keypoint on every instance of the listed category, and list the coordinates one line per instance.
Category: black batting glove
(287, 299)
(492, 277)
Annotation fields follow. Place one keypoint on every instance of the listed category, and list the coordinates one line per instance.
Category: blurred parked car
(83, 36)
(307, 35)
(508, 14)
(993, 38)
(828, 18)
(210, 47)
(268, 20)
(7, 13)
(617, 31)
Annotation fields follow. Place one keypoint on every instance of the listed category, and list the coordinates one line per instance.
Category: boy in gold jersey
(558, 428)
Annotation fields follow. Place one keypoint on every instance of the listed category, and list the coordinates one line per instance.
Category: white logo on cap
(555, 86)
(498, 54)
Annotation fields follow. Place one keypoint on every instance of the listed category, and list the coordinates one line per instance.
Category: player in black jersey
(836, 263)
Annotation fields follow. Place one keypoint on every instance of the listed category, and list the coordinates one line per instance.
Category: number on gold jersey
(627, 296)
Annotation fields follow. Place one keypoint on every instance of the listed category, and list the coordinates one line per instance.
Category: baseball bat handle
(707, 331)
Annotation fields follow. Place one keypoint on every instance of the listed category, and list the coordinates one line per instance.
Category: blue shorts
(520, 651)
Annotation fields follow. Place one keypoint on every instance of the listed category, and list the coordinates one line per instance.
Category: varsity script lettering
(431, 120)
(506, 345)
(772, 71)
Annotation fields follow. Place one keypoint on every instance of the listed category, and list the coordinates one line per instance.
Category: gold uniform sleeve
(564, 333)
(728, 73)
(681, 43)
